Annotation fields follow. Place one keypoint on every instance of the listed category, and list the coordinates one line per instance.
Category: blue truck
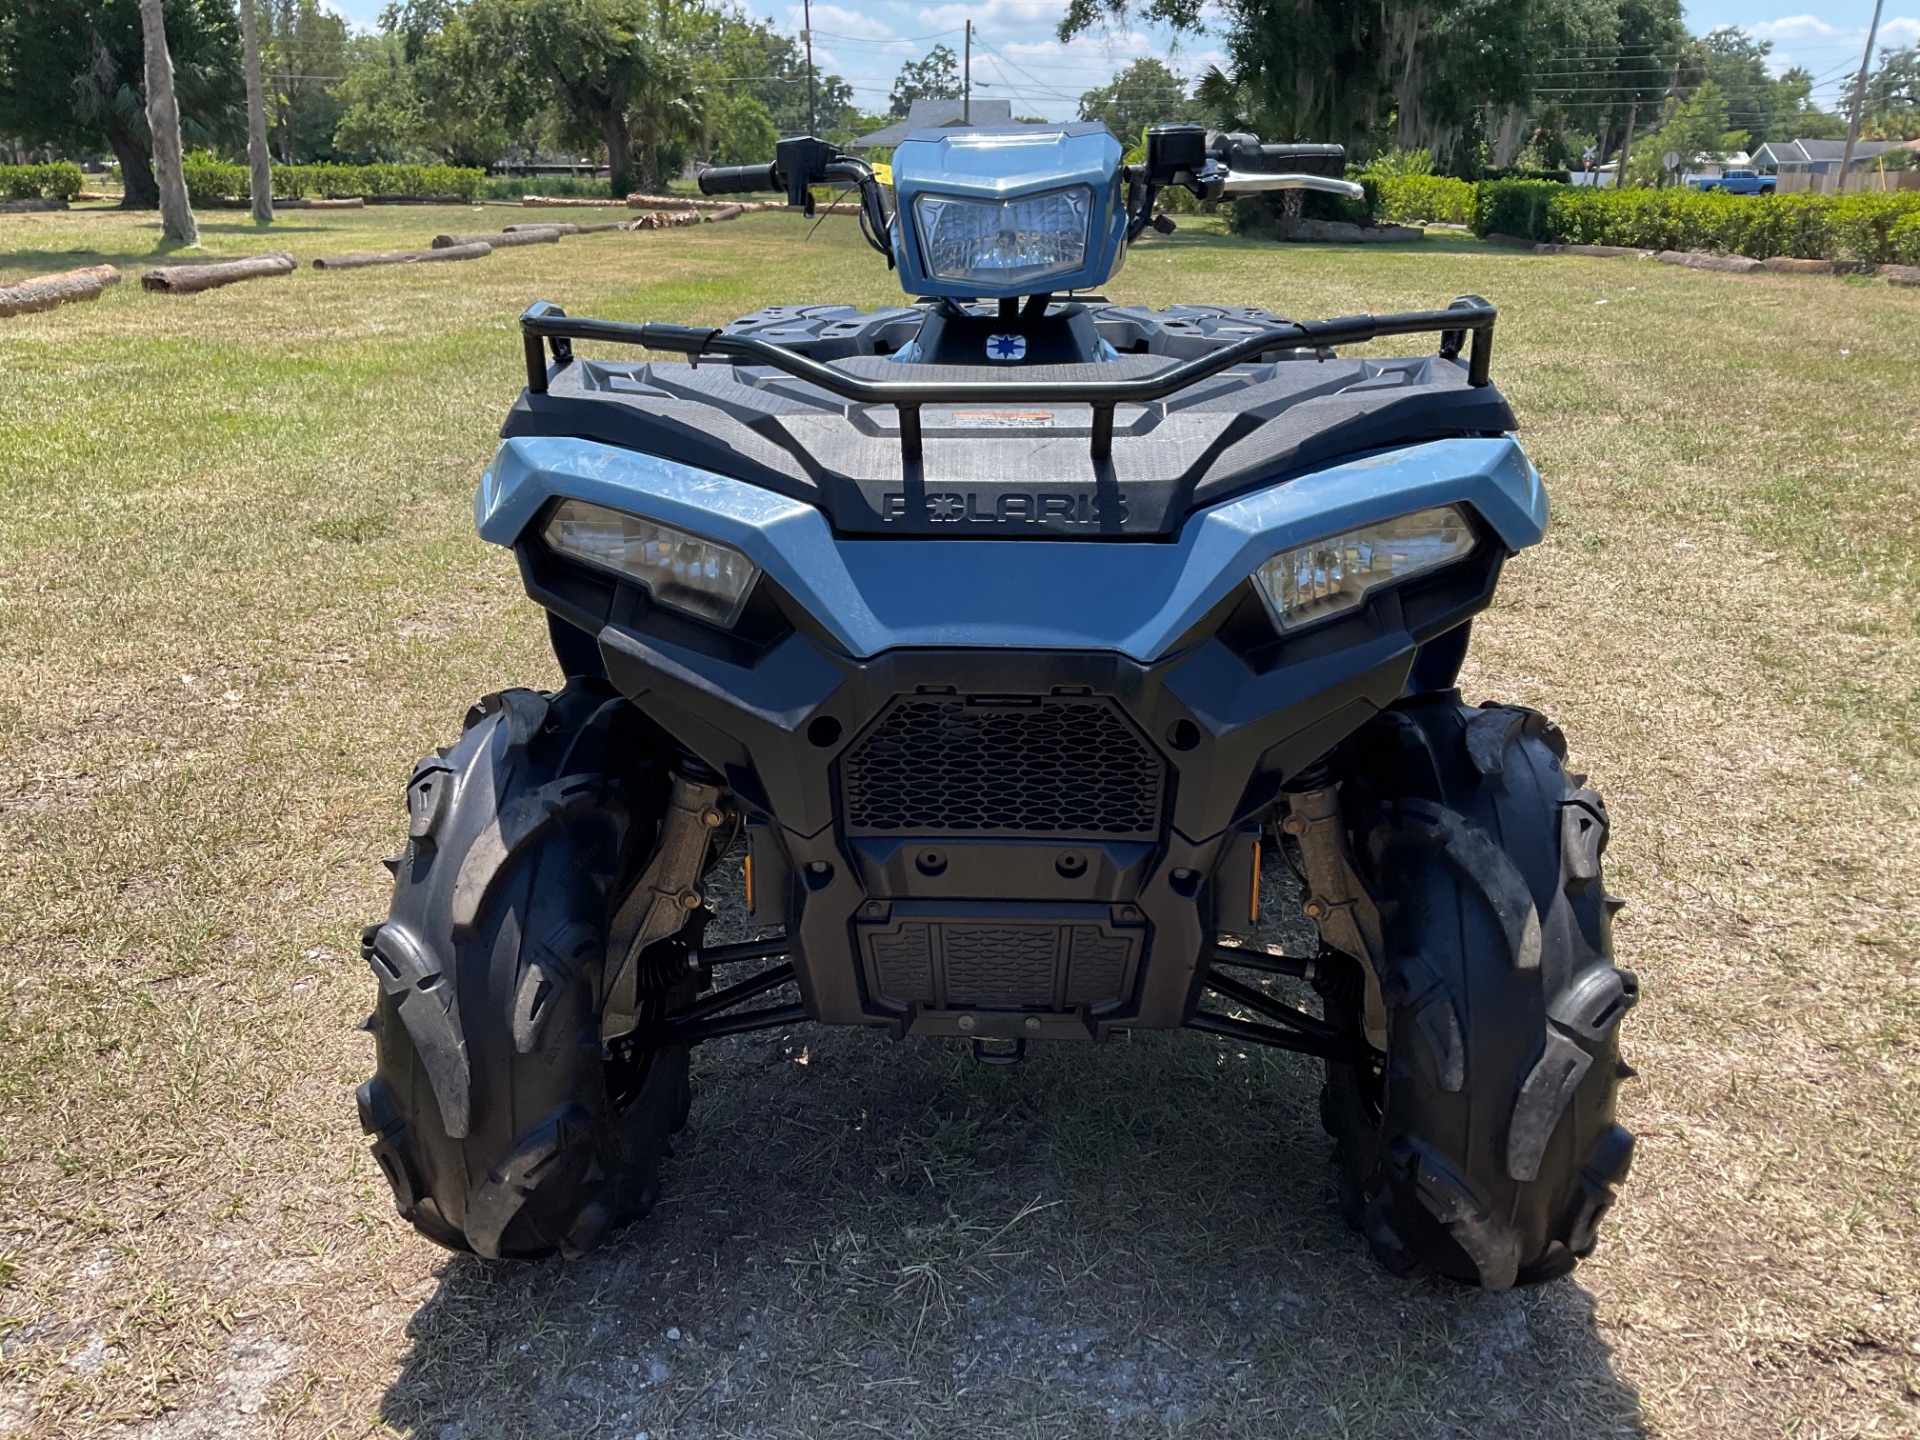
(1736, 182)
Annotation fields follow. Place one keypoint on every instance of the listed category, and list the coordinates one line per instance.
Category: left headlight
(1313, 582)
(683, 572)
(1003, 242)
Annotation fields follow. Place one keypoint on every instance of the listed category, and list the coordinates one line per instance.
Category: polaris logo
(1006, 347)
(1009, 507)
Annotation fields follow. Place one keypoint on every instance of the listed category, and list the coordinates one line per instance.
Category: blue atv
(1009, 633)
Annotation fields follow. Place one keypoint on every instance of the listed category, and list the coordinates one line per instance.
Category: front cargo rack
(544, 324)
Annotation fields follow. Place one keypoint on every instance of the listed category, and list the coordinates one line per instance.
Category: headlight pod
(682, 572)
(1331, 576)
(1004, 242)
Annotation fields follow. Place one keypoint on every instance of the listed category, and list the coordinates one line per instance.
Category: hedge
(213, 180)
(1438, 198)
(1869, 228)
(59, 181)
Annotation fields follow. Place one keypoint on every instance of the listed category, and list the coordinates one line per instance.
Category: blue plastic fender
(1135, 597)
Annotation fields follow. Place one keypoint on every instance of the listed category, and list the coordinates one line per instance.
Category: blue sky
(1017, 57)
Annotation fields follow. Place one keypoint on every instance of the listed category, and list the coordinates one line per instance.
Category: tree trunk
(163, 120)
(138, 191)
(619, 153)
(259, 158)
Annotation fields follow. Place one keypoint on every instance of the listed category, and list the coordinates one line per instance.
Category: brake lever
(1254, 182)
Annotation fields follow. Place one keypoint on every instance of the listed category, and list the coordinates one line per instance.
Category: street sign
(1672, 159)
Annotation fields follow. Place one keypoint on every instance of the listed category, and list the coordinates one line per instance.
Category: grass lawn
(240, 592)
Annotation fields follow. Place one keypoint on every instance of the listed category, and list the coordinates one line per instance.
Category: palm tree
(259, 157)
(163, 122)
(664, 107)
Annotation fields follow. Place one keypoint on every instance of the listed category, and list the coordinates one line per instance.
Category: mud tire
(1488, 1150)
(496, 1117)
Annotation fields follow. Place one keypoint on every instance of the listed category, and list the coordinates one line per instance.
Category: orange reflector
(1253, 907)
(749, 872)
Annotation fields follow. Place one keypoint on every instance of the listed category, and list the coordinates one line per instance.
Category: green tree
(74, 79)
(304, 59)
(936, 76)
(1893, 95)
(1698, 132)
(1144, 93)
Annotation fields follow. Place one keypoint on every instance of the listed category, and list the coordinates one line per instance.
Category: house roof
(1813, 152)
(938, 115)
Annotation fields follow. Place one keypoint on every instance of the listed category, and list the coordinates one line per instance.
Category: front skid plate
(1238, 732)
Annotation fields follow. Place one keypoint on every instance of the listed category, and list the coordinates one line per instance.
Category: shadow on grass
(46, 261)
(866, 1237)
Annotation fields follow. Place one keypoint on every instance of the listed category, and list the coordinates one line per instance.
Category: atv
(1009, 633)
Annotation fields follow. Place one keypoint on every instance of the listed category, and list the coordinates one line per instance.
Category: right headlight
(1313, 582)
(697, 577)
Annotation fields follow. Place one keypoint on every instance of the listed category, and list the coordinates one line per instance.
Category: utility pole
(1859, 100)
(1626, 147)
(806, 10)
(966, 83)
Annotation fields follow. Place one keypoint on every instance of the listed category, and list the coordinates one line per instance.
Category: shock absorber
(664, 899)
(1336, 901)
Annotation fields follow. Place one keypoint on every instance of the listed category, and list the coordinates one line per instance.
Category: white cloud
(849, 22)
(1903, 30)
(1793, 27)
(997, 14)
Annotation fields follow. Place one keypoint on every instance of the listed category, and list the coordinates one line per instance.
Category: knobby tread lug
(519, 825)
(1474, 853)
(1544, 1096)
(1491, 1246)
(410, 972)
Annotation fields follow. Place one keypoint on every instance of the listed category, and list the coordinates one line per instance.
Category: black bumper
(1013, 843)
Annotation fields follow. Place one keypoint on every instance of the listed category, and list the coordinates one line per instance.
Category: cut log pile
(501, 239)
(366, 258)
(190, 279)
(638, 201)
(664, 220)
(43, 292)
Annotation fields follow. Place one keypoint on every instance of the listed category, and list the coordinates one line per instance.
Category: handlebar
(738, 179)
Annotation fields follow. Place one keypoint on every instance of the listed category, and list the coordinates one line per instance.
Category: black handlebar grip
(1305, 159)
(737, 179)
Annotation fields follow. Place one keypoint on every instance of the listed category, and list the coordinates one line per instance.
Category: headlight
(681, 571)
(1000, 242)
(1334, 575)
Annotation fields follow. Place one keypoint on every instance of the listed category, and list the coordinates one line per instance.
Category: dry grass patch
(239, 592)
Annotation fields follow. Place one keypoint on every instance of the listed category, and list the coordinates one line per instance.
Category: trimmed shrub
(61, 180)
(210, 179)
(1904, 237)
(1809, 227)
(1512, 207)
(1438, 198)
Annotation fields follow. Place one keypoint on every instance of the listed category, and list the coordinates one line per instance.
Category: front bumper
(1010, 788)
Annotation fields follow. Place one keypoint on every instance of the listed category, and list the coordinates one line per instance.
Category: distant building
(1816, 157)
(938, 115)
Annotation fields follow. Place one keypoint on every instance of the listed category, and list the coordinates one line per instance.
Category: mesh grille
(941, 765)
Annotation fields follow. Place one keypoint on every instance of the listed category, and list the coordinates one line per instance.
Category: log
(499, 239)
(638, 201)
(345, 202)
(664, 220)
(725, 212)
(565, 202)
(43, 292)
(190, 279)
(1700, 260)
(365, 258)
(24, 207)
(1899, 274)
(1602, 252)
(569, 228)
(1788, 265)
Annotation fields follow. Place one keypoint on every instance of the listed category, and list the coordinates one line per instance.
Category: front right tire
(1486, 1148)
(499, 1120)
